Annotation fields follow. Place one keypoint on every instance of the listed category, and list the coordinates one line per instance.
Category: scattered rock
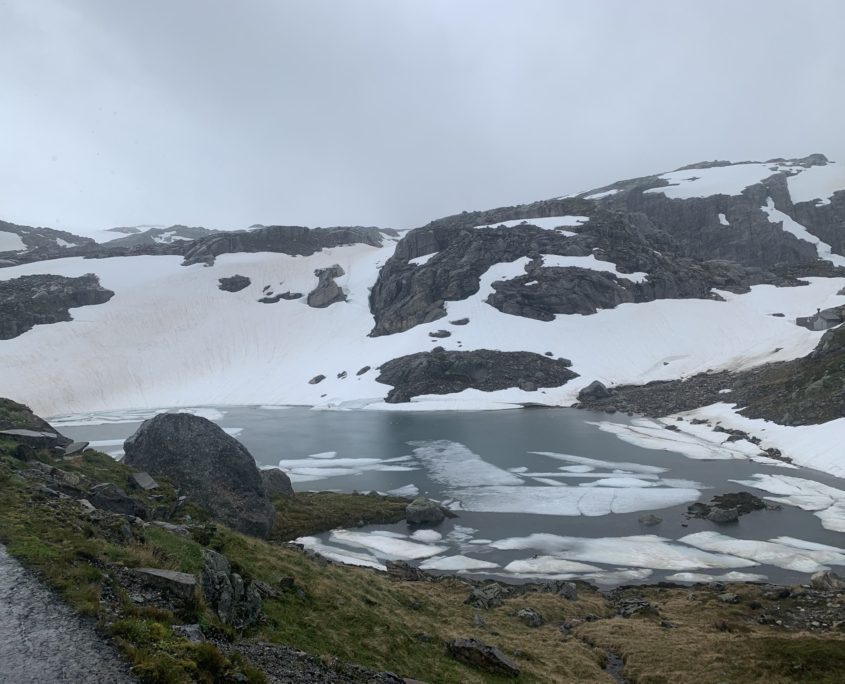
(363, 370)
(487, 596)
(422, 511)
(109, 497)
(631, 606)
(440, 334)
(276, 482)
(479, 655)
(531, 617)
(234, 283)
(212, 468)
(316, 380)
(460, 321)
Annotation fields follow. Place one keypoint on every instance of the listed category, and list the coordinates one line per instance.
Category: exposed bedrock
(293, 240)
(212, 468)
(408, 294)
(38, 299)
(445, 372)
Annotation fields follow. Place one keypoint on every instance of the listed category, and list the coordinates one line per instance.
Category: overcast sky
(390, 112)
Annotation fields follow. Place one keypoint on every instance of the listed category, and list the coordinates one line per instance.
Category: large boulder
(212, 468)
(422, 511)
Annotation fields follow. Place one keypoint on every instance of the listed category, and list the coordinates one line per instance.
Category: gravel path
(42, 641)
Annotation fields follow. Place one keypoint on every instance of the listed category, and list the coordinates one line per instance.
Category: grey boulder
(422, 511)
(209, 466)
(276, 482)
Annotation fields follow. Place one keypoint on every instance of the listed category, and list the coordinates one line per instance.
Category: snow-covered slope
(171, 337)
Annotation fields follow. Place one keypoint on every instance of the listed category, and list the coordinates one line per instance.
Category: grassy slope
(358, 615)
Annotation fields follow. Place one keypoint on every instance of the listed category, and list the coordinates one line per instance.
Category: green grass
(308, 513)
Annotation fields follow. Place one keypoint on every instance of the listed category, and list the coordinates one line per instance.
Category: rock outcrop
(212, 468)
(17, 417)
(445, 372)
(33, 300)
(327, 291)
(294, 240)
(237, 601)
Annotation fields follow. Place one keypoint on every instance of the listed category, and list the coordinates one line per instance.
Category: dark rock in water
(422, 511)
(33, 300)
(143, 481)
(110, 497)
(327, 291)
(234, 283)
(723, 515)
(445, 372)
(487, 596)
(212, 468)
(276, 482)
(743, 502)
(595, 390)
(75, 448)
(236, 601)
(827, 580)
(649, 520)
(179, 584)
(479, 655)
(294, 240)
(531, 617)
(316, 380)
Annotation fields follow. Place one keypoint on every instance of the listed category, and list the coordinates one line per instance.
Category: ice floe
(456, 563)
(338, 554)
(699, 577)
(325, 465)
(388, 546)
(544, 565)
(828, 503)
(584, 462)
(427, 536)
(777, 553)
(642, 551)
(453, 464)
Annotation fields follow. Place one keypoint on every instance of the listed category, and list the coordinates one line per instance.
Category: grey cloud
(391, 113)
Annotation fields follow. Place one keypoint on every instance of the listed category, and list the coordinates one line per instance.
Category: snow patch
(555, 223)
(420, 260)
(590, 262)
(790, 225)
(11, 242)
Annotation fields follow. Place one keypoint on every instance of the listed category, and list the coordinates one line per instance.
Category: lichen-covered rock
(237, 602)
(212, 468)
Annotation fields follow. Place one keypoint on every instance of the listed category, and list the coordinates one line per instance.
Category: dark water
(503, 439)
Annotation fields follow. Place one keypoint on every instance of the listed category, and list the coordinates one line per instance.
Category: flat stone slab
(180, 584)
(144, 481)
(75, 448)
(30, 434)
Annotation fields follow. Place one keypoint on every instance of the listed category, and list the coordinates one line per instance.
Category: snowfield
(10, 242)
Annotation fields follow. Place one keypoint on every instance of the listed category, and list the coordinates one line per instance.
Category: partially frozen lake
(539, 493)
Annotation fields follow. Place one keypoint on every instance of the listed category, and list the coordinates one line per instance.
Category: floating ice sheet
(699, 577)
(386, 546)
(456, 563)
(453, 464)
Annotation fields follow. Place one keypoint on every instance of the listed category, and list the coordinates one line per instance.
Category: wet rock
(212, 468)
(481, 656)
(234, 283)
(649, 520)
(110, 497)
(723, 515)
(531, 617)
(179, 584)
(422, 511)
